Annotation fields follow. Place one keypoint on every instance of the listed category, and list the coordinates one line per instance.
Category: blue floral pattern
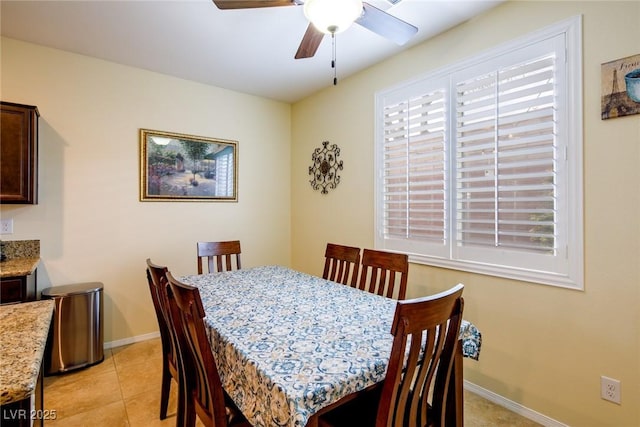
(288, 344)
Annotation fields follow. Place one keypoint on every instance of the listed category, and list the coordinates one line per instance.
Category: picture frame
(181, 167)
(620, 81)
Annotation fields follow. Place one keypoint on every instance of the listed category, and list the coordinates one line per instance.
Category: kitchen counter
(18, 266)
(18, 270)
(22, 257)
(23, 336)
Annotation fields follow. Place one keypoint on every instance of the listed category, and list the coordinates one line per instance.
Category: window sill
(523, 275)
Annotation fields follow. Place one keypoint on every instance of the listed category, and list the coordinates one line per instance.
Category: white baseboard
(131, 340)
(512, 406)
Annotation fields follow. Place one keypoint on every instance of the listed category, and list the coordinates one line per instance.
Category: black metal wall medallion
(324, 168)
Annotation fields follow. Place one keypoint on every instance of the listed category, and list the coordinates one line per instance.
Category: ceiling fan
(325, 20)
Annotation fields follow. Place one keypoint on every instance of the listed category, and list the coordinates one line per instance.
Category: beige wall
(544, 348)
(90, 222)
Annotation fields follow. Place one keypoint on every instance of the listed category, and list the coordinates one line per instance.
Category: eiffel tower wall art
(621, 87)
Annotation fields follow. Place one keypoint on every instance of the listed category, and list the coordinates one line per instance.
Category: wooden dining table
(290, 345)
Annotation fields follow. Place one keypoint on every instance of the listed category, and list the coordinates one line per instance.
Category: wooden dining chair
(417, 390)
(382, 271)
(156, 276)
(219, 256)
(341, 264)
(204, 396)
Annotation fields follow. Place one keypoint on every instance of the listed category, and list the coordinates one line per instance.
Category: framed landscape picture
(175, 166)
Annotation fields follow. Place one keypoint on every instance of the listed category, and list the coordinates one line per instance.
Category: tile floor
(124, 390)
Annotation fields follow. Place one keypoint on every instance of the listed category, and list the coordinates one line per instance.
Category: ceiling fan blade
(310, 42)
(381, 23)
(250, 4)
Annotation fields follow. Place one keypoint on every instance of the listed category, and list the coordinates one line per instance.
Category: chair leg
(186, 416)
(189, 416)
(455, 393)
(164, 392)
(181, 412)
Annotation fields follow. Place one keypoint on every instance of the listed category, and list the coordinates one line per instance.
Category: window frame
(567, 267)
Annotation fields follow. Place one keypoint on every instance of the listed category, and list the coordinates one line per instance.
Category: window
(480, 163)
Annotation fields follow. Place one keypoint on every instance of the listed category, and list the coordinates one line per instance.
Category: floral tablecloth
(288, 344)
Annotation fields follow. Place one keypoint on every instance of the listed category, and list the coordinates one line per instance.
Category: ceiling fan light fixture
(332, 16)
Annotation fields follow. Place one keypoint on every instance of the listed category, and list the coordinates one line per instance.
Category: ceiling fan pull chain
(333, 59)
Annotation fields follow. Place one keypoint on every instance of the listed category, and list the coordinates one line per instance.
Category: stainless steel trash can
(76, 334)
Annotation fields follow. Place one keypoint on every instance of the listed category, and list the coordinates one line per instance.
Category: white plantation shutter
(479, 164)
(414, 171)
(505, 162)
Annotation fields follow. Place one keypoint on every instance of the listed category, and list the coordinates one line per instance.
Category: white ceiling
(250, 50)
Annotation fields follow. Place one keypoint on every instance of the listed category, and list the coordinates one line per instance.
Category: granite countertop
(23, 336)
(18, 266)
(22, 257)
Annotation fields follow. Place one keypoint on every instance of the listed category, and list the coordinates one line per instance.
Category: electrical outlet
(610, 389)
(6, 226)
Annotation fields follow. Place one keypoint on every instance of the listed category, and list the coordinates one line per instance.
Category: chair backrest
(341, 264)
(156, 276)
(384, 273)
(425, 342)
(219, 255)
(205, 395)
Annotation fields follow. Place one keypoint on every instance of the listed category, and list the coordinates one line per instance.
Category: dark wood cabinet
(19, 154)
(18, 289)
